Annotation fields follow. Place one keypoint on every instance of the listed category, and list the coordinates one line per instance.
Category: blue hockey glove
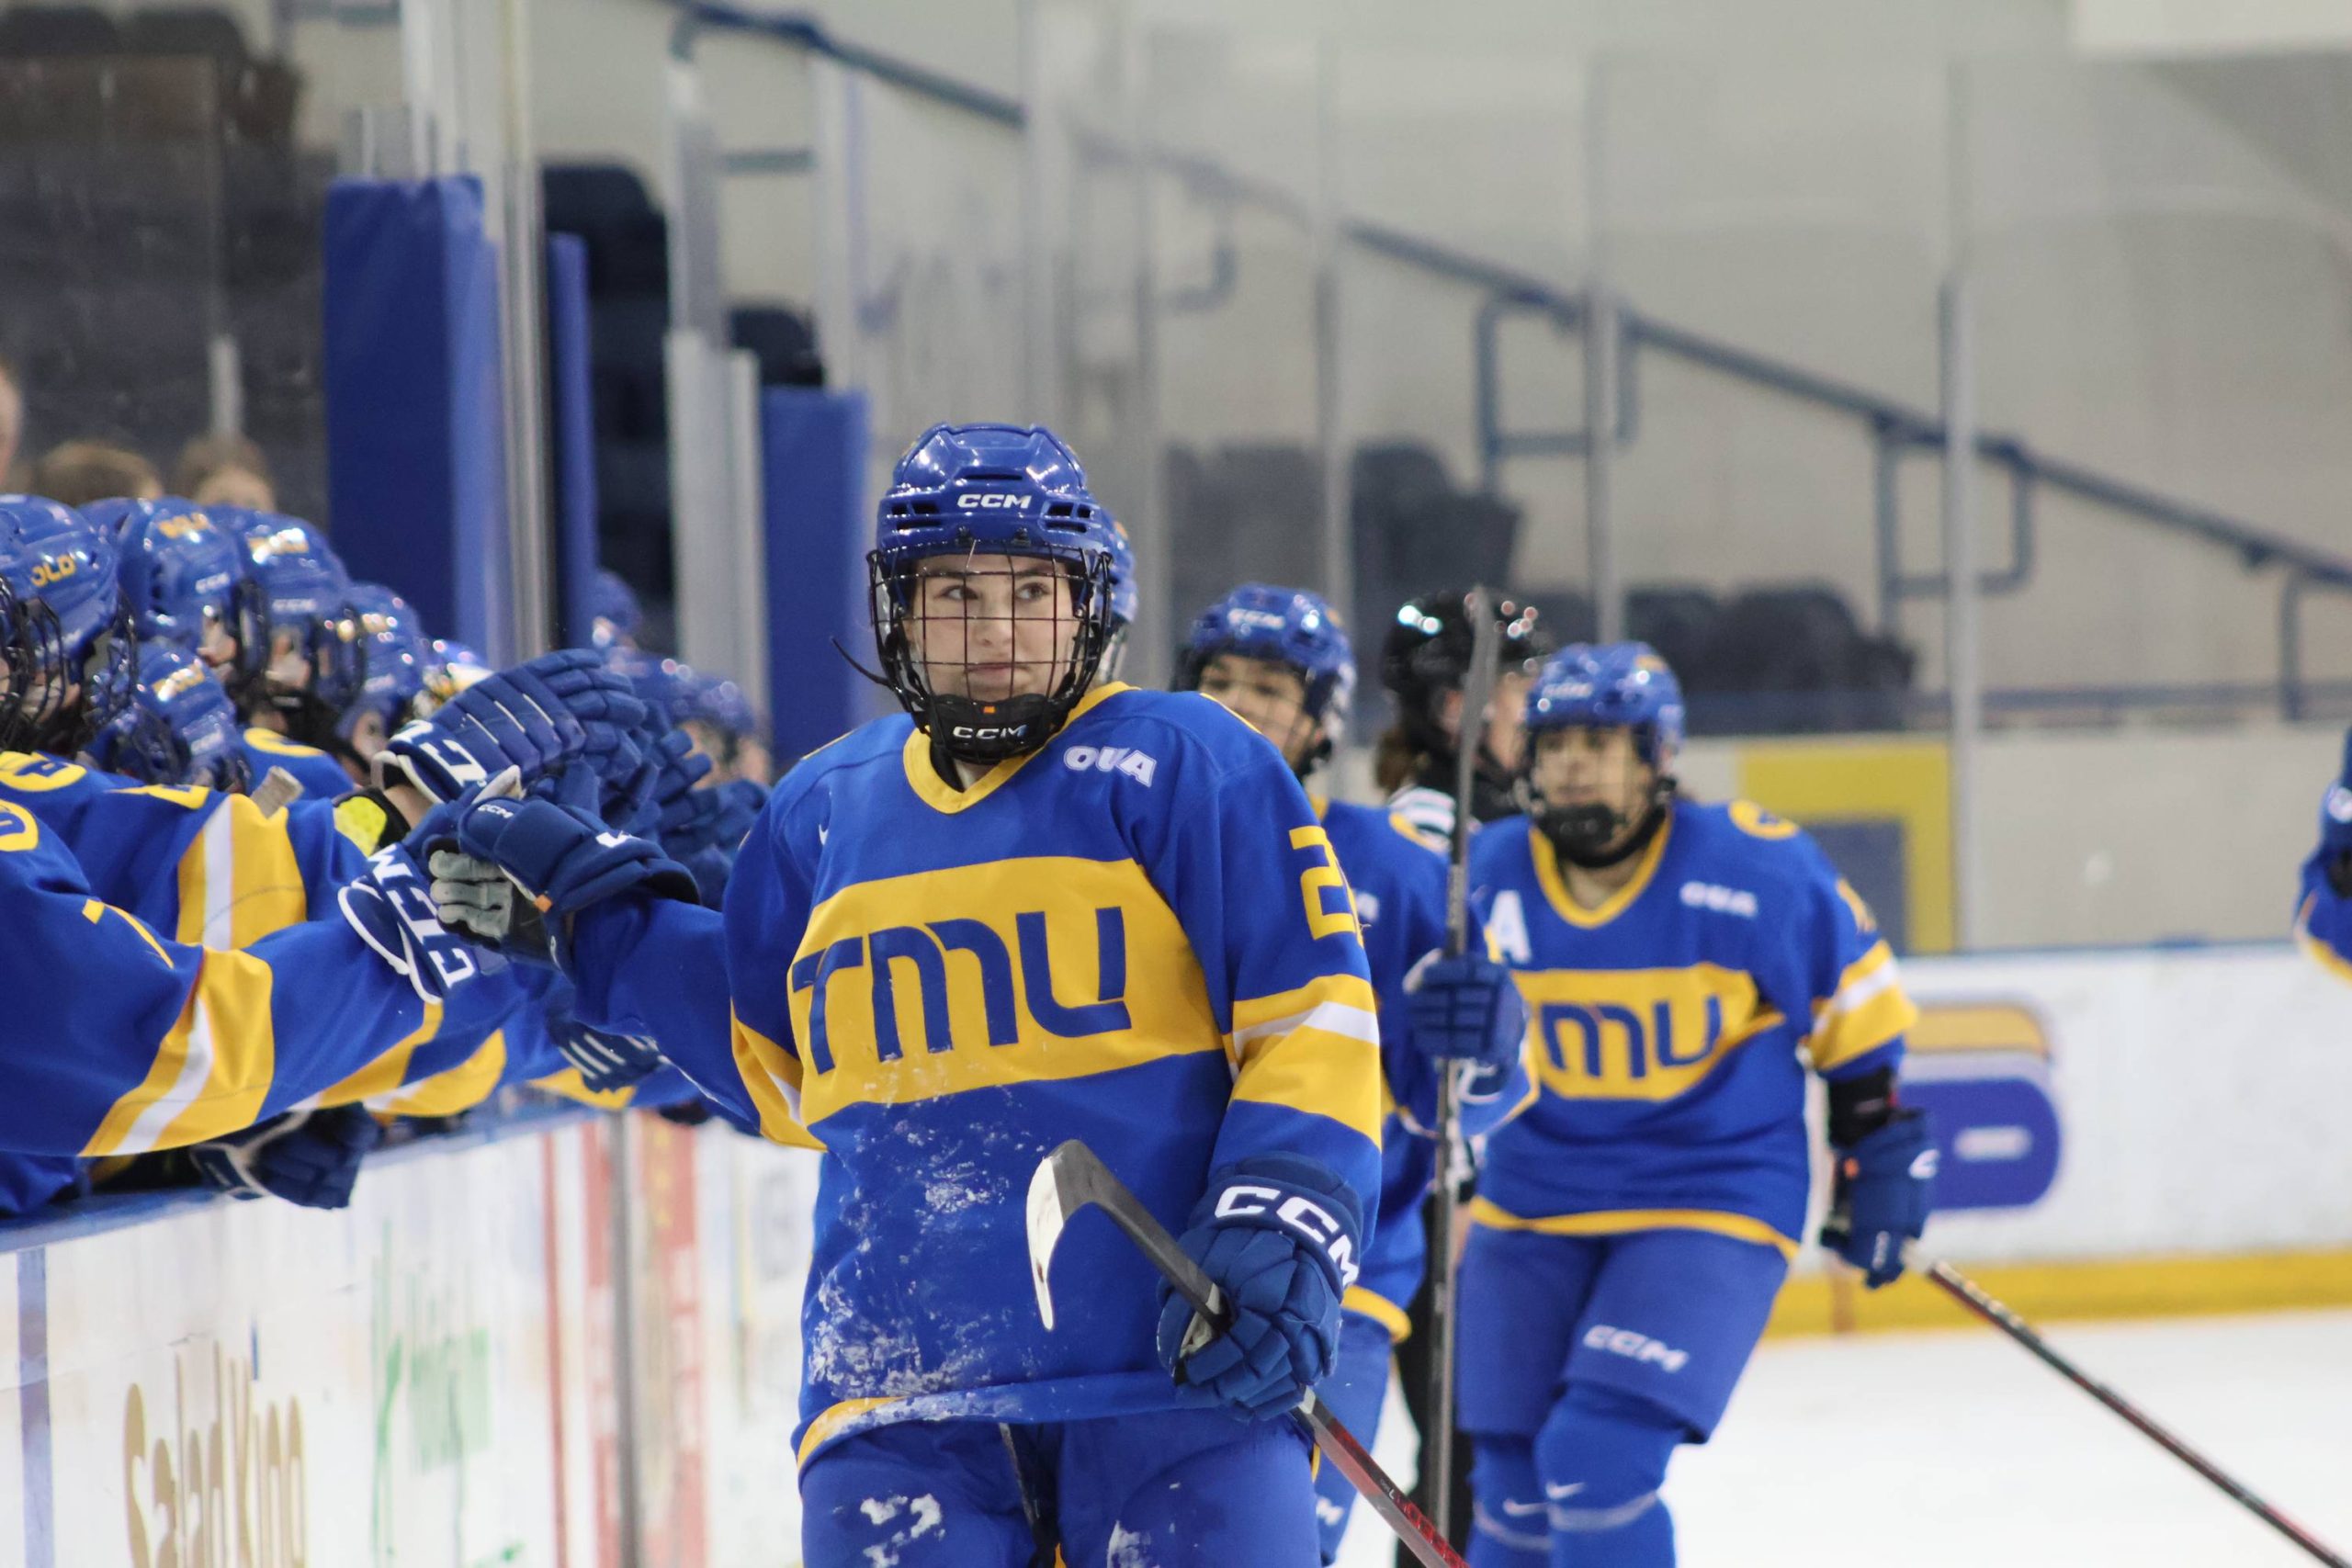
(533, 717)
(1467, 1008)
(1885, 1183)
(607, 1061)
(1278, 1234)
(310, 1157)
(558, 859)
(390, 905)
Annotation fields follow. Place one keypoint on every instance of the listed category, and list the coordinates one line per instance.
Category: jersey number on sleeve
(1325, 915)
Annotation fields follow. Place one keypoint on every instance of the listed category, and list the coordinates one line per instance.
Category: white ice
(1956, 1449)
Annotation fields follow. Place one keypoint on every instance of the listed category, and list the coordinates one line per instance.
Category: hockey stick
(1072, 1178)
(1972, 1296)
(1470, 738)
(278, 790)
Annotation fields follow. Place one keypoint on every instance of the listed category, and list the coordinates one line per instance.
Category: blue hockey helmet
(179, 727)
(1606, 686)
(179, 568)
(396, 655)
(990, 490)
(714, 700)
(62, 625)
(1609, 686)
(303, 593)
(656, 680)
(1290, 626)
(614, 612)
(1123, 597)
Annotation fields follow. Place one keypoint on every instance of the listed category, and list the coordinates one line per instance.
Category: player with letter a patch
(1033, 907)
(1279, 658)
(1683, 963)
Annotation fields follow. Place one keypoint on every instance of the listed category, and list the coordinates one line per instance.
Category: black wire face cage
(998, 720)
(41, 711)
(336, 646)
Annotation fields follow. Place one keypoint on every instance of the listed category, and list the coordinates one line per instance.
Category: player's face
(368, 735)
(1579, 766)
(992, 627)
(1507, 719)
(217, 646)
(1269, 697)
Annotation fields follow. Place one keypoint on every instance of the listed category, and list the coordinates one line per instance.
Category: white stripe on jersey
(1429, 811)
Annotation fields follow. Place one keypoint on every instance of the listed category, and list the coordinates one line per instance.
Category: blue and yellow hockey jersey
(117, 1039)
(209, 870)
(1668, 1024)
(1136, 936)
(1400, 885)
(2324, 917)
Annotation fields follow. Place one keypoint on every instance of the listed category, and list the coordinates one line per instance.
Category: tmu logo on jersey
(908, 987)
(1981, 1071)
(1638, 1033)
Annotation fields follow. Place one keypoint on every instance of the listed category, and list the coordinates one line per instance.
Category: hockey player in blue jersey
(2323, 900)
(1631, 1228)
(1280, 660)
(1034, 907)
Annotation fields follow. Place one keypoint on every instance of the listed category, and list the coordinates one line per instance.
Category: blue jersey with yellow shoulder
(1668, 1023)
(1400, 885)
(2324, 916)
(1135, 935)
(171, 1044)
(211, 870)
(321, 776)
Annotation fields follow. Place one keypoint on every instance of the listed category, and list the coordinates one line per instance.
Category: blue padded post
(416, 434)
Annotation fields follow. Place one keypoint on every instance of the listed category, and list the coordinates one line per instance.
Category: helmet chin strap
(1588, 837)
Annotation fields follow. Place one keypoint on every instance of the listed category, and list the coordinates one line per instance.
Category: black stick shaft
(1341, 1447)
(1974, 1297)
(1470, 739)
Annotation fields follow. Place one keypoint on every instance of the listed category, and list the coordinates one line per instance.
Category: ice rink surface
(1957, 1448)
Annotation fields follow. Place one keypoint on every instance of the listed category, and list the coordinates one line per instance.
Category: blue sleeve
(2324, 917)
(1233, 845)
(1824, 958)
(172, 1044)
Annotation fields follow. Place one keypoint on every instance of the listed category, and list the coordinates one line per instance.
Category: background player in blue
(2323, 900)
(1033, 907)
(1280, 660)
(1633, 1227)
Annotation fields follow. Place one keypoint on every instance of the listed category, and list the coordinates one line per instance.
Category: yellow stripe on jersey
(833, 1418)
(1638, 1033)
(1619, 1222)
(908, 988)
(269, 894)
(213, 1070)
(1869, 1010)
(95, 911)
(1381, 1310)
(1555, 883)
(569, 1085)
(1316, 1049)
(389, 1071)
(453, 1089)
(771, 1076)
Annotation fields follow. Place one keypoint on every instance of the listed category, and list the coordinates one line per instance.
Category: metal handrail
(1894, 426)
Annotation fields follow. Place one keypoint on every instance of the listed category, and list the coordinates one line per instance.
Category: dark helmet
(1426, 653)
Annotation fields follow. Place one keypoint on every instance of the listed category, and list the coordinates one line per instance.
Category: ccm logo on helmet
(992, 501)
(1297, 1213)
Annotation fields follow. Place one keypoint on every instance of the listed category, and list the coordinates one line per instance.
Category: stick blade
(1050, 1207)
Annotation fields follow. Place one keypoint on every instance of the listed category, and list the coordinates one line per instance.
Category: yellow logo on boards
(1648, 1034)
